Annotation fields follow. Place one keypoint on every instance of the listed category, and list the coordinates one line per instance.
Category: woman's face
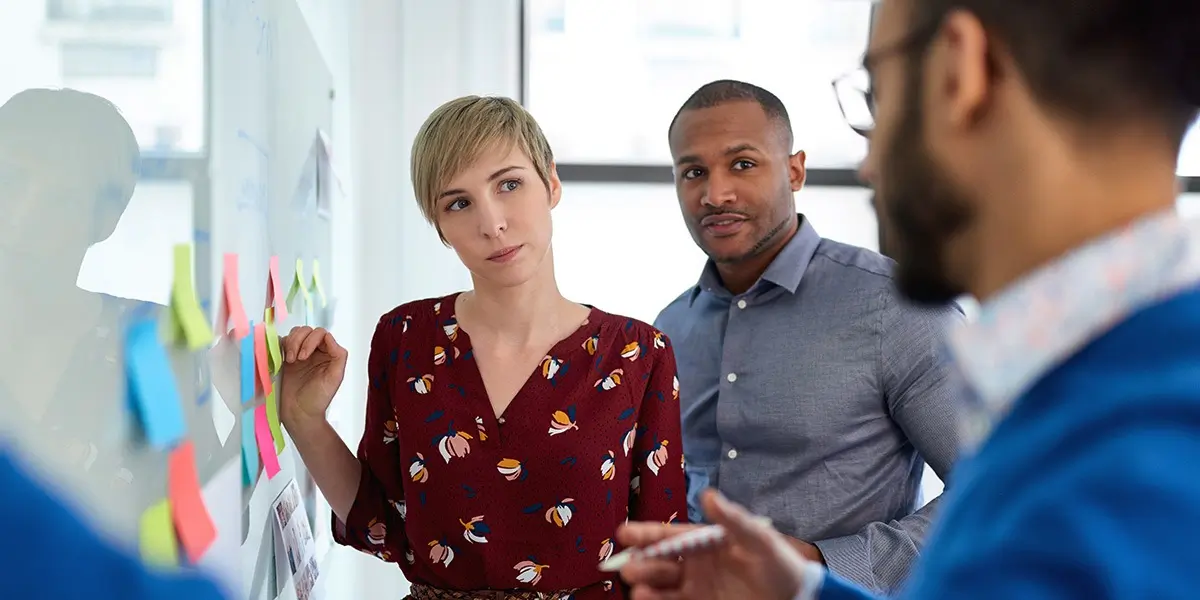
(496, 216)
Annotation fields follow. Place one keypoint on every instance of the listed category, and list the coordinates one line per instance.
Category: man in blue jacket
(49, 553)
(1024, 152)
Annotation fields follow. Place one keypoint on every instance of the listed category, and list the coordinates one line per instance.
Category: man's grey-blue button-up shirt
(816, 398)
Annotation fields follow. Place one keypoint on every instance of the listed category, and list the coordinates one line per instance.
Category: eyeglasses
(853, 90)
(857, 103)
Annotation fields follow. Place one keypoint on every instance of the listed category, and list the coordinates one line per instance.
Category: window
(109, 60)
(646, 286)
(605, 78)
(135, 263)
(130, 11)
(1189, 156)
(144, 56)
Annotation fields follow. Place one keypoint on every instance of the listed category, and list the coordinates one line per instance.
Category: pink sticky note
(192, 521)
(275, 297)
(266, 444)
(260, 359)
(231, 305)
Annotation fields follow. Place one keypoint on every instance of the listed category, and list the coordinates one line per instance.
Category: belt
(424, 592)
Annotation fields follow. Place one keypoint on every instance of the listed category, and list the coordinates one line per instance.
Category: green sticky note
(157, 540)
(273, 422)
(316, 283)
(187, 318)
(273, 346)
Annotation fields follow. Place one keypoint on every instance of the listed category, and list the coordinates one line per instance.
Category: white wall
(393, 63)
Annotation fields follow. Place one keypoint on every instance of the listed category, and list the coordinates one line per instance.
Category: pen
(680, 545)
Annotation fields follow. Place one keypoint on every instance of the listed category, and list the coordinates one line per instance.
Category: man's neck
(738, 277)
(1069, 214)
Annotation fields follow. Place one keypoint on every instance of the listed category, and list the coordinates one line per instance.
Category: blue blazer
(1090, 488)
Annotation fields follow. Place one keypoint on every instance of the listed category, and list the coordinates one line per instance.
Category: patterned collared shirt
(1044, 318)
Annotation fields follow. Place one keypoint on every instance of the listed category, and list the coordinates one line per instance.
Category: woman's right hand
(313, 367)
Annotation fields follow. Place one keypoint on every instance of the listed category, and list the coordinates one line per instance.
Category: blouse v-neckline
(561, 350)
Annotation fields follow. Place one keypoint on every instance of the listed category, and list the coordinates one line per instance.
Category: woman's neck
(514, 315)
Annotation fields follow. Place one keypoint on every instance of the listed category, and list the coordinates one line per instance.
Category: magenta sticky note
(266, 443)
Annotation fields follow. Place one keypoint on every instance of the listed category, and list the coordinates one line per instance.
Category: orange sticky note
(192, 521)
(260, 359)
(266, 445)
(232, 310)
(275, 296)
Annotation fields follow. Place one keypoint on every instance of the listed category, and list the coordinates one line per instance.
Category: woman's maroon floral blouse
(531, 500)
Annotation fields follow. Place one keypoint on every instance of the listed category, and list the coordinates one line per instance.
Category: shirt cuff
(812, 578)
(847, 556)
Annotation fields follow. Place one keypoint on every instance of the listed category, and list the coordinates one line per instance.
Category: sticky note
(193, 524)
(317, 288)
(188, 317)
(275, 297)
(300, 286)
(266, 446)
(273, 422)
(273, 347)
(260, 359)
(249, 448)
(151, 385)
(156, 536)
(232, 310)
(248, 371)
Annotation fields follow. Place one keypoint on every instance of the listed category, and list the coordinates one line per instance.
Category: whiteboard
(90, 222)
(272, 101)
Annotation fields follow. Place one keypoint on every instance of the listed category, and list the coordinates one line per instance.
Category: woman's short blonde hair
(461, 130)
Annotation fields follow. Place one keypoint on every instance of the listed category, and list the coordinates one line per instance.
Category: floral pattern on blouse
(465, 500)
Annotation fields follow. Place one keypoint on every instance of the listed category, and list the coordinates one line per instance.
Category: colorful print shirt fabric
(464, 500)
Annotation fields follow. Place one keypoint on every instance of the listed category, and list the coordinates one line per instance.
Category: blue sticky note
(152, 386)
(247, 355)
(249, 448)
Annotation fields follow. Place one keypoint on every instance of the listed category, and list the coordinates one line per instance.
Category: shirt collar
(785, 271)
(1058, 309)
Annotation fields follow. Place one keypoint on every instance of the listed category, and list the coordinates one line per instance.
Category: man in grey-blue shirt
(811, 393)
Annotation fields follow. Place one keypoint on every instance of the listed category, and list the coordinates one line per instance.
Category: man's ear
(797, 172)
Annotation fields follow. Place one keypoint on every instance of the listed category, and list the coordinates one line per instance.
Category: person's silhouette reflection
(68, 167)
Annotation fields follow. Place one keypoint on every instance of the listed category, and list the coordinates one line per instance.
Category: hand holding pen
(740, 557)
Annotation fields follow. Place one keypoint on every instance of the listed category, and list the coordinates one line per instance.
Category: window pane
(1189, 157)
(135, 262)
(145, 56)
(654, 254)
(605, 78)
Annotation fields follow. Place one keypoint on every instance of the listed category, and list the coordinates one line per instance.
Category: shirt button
(741, 304)
(732, 454)
(732, 377)
(500, 420)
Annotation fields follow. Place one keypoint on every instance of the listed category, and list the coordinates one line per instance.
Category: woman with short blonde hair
(509, 430)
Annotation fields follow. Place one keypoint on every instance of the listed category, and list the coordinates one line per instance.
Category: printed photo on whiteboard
(306, 580)
(296, 553)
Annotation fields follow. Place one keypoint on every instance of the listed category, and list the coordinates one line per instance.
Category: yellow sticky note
(316, 283)
(298, 286)
(157, 537)
(186, 315)
(273, 422)
(273, 346)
